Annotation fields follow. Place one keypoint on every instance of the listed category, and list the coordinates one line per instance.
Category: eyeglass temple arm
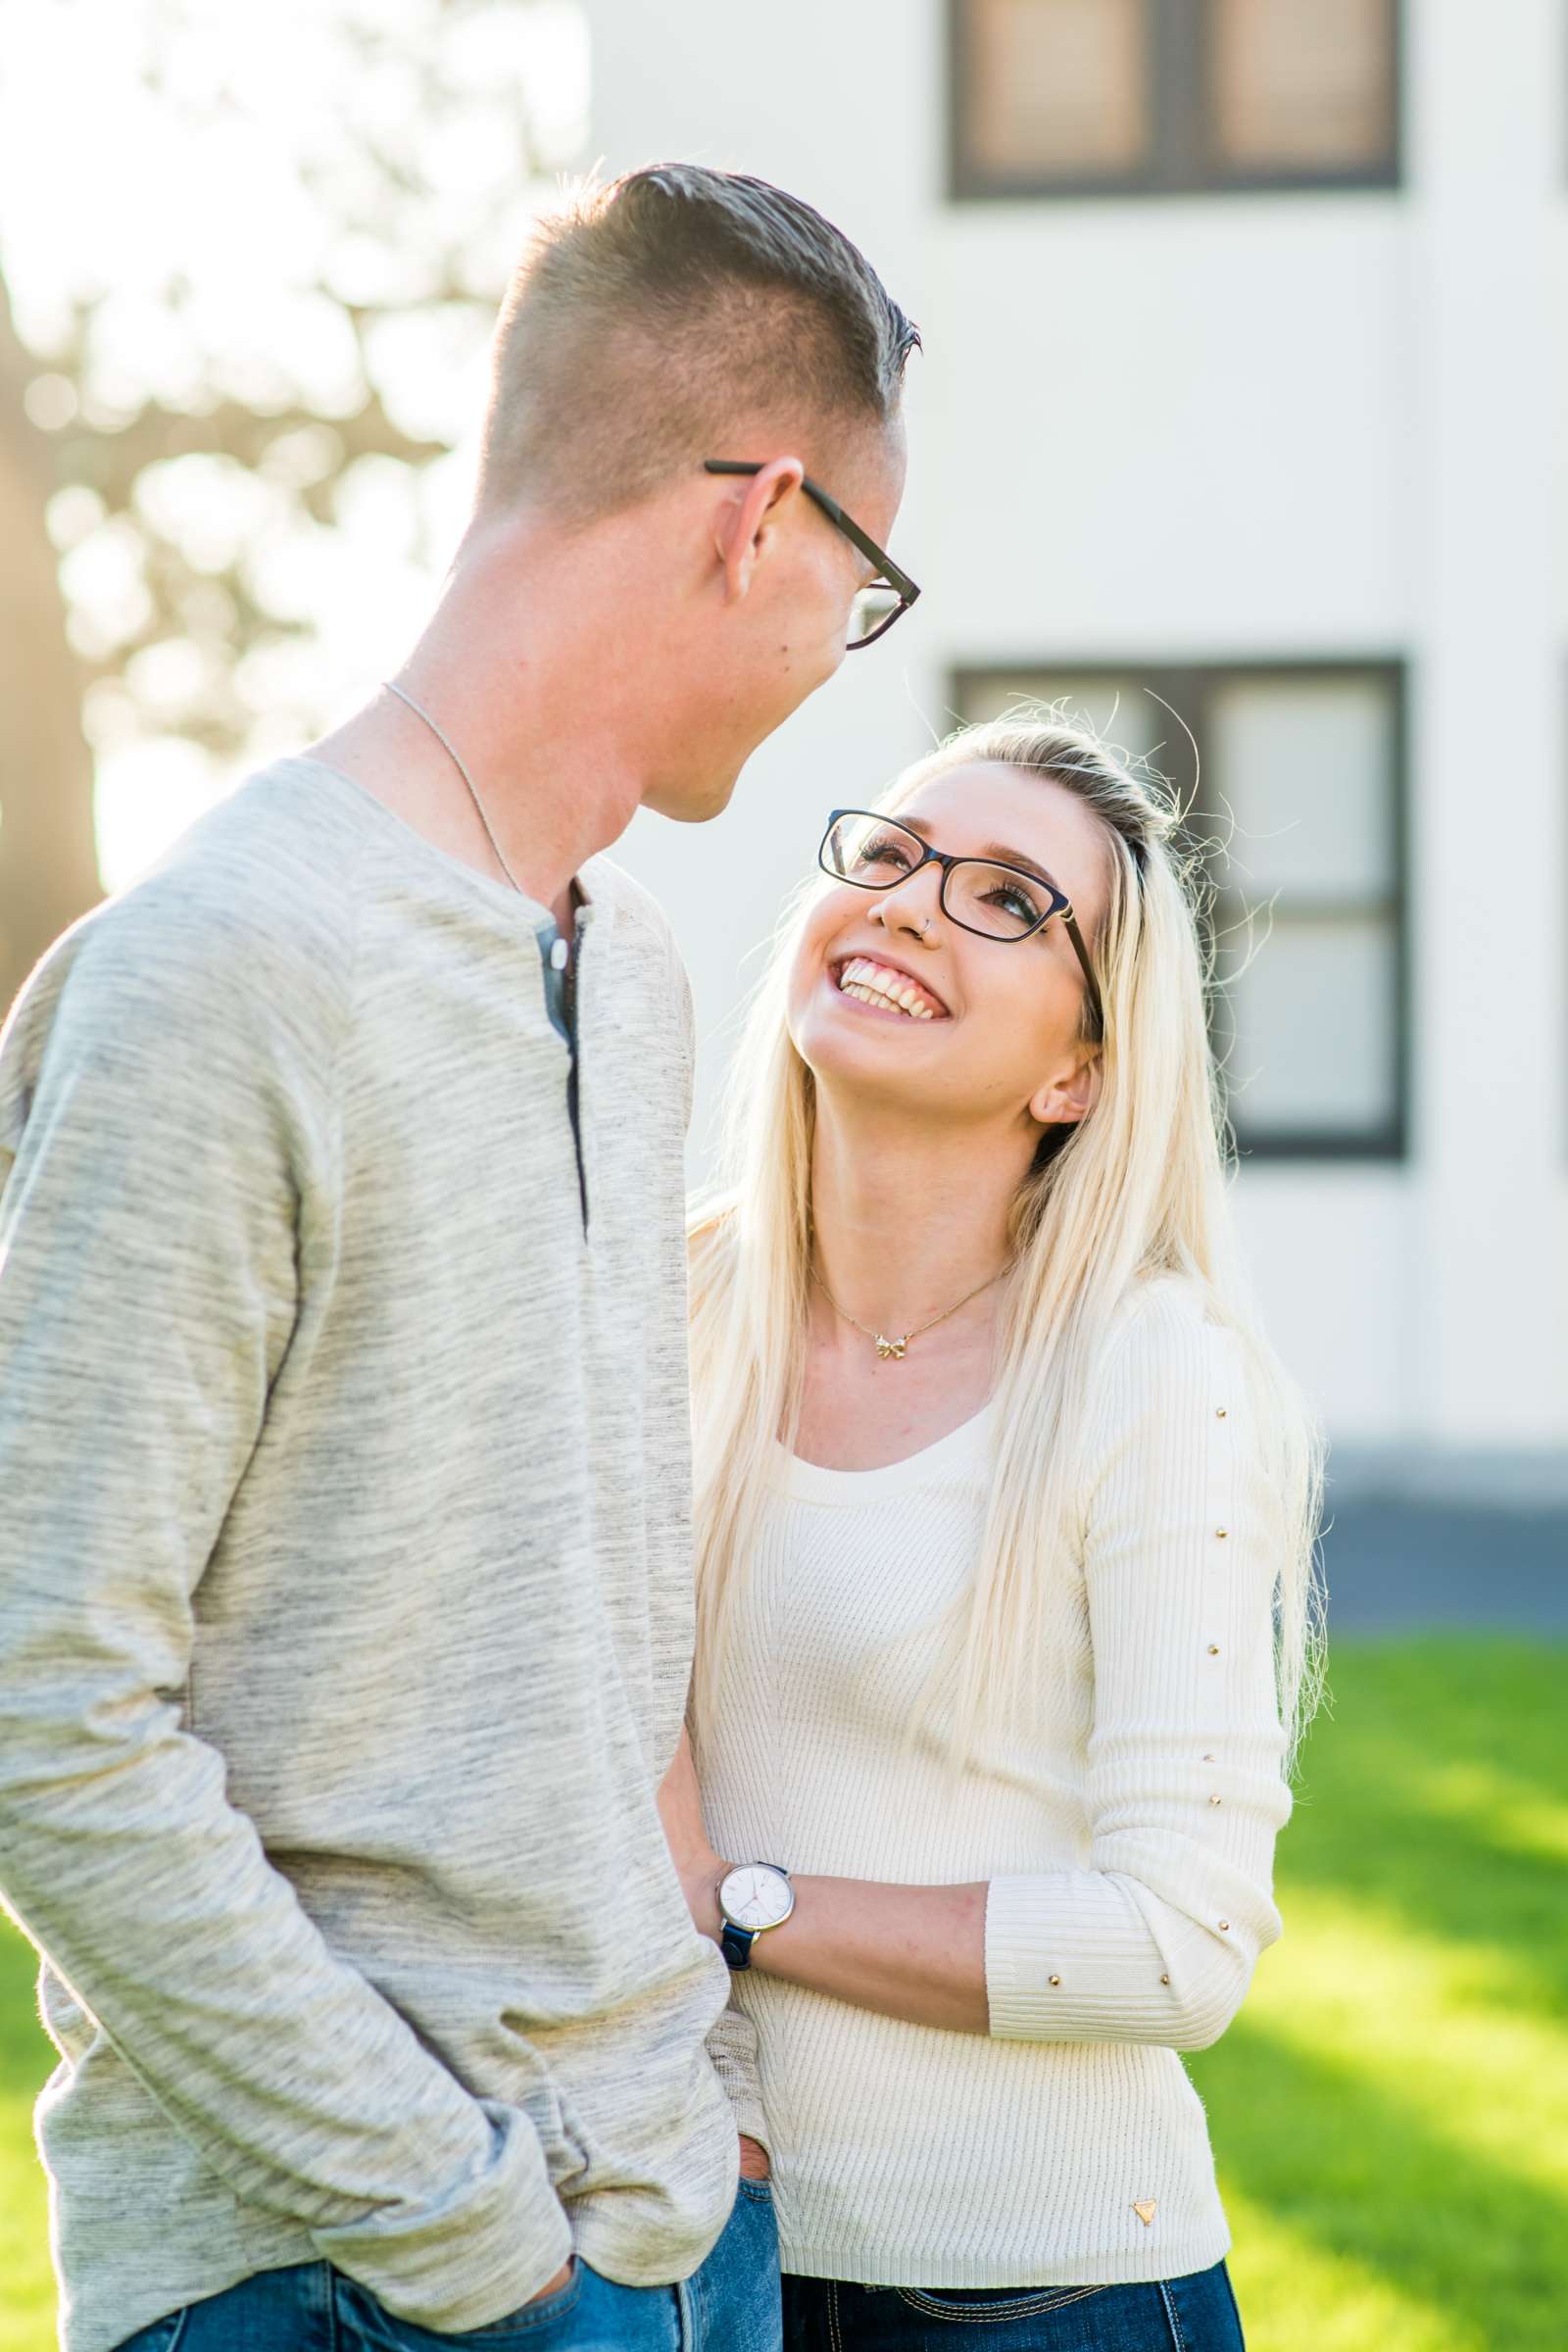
(886, 568)
(1070, 923)
(835, 513)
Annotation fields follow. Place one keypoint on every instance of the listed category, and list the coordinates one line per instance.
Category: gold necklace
(895, 1351)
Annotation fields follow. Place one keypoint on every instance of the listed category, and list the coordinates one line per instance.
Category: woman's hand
(756, 2163)
(699, 1869)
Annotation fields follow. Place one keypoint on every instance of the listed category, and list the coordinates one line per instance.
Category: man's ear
(1070, 1093)
(744, 520)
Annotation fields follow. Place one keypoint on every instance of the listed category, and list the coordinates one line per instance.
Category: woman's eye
(1013, 902)
(884, 852)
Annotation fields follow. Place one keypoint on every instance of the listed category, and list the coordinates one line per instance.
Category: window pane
(1304, 768)
(1313, 1024)
(1057, 89)
(1301, 84)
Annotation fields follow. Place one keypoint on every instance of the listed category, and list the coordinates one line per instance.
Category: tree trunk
(48, 856)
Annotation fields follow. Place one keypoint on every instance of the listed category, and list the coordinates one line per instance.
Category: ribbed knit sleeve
(1155, 1939)
(732, 2047)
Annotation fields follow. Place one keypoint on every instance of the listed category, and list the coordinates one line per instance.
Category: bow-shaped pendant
(891, 1348)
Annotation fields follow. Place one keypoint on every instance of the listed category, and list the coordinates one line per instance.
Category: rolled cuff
(1075, 1956)
(476, 2257)
(732, 2047)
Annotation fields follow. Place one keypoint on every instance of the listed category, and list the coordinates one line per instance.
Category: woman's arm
(916, 1952)
(1157, 1939)
(1154, 1941)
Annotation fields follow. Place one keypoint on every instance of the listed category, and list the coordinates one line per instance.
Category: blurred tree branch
(48, 860)
(203, 504)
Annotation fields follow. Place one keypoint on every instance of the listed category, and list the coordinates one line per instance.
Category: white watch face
(754, 1896)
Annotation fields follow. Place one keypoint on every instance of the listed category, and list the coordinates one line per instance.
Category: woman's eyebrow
(1006, 857)
(998, 850)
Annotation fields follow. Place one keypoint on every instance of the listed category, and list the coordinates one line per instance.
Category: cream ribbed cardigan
(1128, 1846)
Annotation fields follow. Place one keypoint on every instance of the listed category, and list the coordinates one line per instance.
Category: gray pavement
(1447, 1542)
(1397, 1566)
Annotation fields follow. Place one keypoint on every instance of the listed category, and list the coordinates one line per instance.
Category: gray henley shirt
(345, 1579)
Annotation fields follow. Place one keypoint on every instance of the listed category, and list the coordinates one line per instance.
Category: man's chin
(691, 802)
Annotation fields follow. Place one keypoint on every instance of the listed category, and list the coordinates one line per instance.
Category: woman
(1005, 1517)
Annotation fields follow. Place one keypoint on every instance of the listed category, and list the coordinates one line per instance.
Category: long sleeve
(1157, 1939)
(165, 1151)
(732, 2046)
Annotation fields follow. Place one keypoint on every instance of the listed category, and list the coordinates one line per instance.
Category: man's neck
(512, 671)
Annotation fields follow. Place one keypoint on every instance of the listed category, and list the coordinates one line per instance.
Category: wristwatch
(753, 1897)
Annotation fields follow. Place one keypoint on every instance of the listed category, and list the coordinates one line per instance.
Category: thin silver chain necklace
(456, 760)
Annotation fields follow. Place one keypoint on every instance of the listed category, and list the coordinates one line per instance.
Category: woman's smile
(878, 985)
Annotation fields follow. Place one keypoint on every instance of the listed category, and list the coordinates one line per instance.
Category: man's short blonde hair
(651, 315)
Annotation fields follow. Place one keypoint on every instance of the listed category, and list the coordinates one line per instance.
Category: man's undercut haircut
(653, 317)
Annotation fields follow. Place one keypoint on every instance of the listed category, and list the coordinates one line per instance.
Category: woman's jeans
(730, 2305)
(1196, 2313)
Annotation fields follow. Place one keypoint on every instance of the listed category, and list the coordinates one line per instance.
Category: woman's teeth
(889, 991)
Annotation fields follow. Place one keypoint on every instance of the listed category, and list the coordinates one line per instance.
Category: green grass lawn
(1389, 2112)
(26, 2296)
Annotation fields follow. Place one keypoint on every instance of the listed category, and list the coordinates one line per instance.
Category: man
(345, 1603)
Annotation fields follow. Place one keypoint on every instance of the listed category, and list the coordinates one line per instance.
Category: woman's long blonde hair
(1137, 1189)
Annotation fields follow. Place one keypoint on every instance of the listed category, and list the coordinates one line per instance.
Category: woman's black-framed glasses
(884, 599)
(982, 895)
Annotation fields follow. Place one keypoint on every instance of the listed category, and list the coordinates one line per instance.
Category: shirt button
(558, 955)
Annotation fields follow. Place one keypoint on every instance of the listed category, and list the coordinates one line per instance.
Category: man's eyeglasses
(981, 894)
(881, 602)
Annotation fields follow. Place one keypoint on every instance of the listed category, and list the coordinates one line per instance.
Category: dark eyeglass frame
(888, 573)
(1060, 904)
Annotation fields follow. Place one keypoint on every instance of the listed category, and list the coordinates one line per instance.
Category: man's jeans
(730, 2305)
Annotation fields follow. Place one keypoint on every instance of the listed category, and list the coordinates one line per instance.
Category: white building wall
(1209, 429)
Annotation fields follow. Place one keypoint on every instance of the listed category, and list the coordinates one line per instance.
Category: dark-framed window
(1170, 97)
(1299, 777)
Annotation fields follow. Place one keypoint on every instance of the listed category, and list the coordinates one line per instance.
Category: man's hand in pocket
(756, 2163)
(553, 2286)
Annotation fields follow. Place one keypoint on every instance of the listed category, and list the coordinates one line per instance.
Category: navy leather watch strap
(736, 1944)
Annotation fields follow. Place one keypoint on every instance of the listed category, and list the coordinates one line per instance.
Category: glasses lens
(995, 900)
(871, 852)
(873, 608)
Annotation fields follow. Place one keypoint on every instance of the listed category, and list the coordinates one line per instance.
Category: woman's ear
(1070, 1094)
